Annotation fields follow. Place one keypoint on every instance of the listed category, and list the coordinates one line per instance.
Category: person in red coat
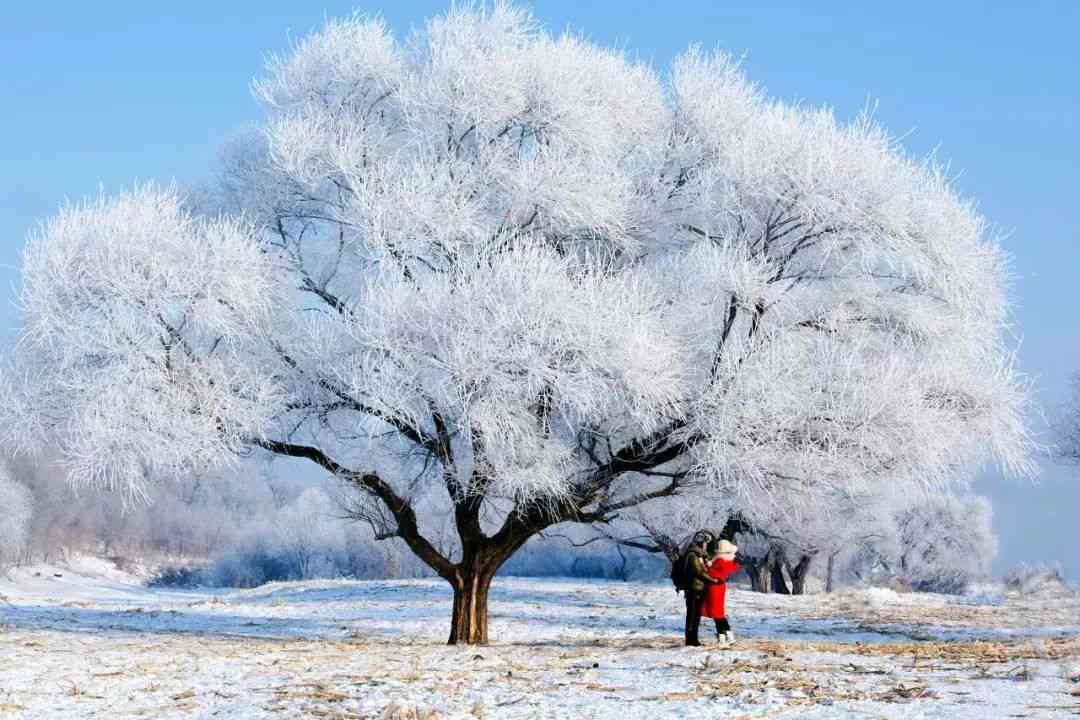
(720, 569)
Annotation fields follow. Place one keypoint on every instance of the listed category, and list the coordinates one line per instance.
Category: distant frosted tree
(781, 534)
(307, 528)
(525, 280)
(791, 530)
(932, 541)
(16, 504)
(945, 542)
(1067, 426)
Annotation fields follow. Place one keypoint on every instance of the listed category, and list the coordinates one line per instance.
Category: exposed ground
(93, 643)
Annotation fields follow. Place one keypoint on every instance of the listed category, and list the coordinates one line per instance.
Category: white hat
(728, 548)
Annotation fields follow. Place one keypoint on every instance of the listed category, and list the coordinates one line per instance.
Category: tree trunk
(469, 617)
(758, 571)
(799, 573)
(735, 524)
(776, 559)
(623, 562)
(829, 573)
(776, 576)
(471, 581)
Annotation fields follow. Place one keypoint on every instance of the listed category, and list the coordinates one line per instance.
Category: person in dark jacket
(697, 568)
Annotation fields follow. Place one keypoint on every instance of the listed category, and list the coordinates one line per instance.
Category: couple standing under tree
(702, 573)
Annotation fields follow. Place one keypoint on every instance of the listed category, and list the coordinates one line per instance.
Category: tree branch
(348, 402)
(401, 508)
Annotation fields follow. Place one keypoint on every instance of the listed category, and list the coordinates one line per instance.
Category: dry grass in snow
(96, 647)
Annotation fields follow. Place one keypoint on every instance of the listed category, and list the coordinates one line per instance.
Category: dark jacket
(698, 570)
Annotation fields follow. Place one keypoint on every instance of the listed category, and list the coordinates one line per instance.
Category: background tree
(1067, 424)
(525, 280)
(304, 529)
(932, 542)
(661, 527)
(787, 533)
(945, 542)
(16, 501)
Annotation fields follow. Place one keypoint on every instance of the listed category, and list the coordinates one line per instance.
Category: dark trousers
(722, 626)
(694, 599)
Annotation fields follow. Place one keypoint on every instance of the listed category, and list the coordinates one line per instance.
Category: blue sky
(105, 94)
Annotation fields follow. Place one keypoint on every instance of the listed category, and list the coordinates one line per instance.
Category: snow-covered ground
(91, 641)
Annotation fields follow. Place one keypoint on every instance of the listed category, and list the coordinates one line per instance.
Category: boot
(721, 628)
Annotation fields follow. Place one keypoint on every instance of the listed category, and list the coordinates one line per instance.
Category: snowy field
(92, 642)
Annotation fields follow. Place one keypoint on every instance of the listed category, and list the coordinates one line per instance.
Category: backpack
(680, 572)
(681, 576)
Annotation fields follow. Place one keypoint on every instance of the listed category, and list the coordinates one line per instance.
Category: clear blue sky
(113, 92)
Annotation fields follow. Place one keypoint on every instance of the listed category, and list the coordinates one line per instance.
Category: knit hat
(728, 549)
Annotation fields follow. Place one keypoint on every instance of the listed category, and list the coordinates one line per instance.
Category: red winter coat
(720, 569)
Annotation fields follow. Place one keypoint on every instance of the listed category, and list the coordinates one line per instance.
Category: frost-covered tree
(308, 527)
(945, 542)
(1067, 425)
(526, 280)
(931, 541)
(866, 523)
(16, 503)
(790, 530)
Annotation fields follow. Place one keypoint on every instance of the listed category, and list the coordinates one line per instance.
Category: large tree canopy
(524, 280)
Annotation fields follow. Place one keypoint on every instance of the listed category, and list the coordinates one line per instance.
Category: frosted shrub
(1038, 581)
